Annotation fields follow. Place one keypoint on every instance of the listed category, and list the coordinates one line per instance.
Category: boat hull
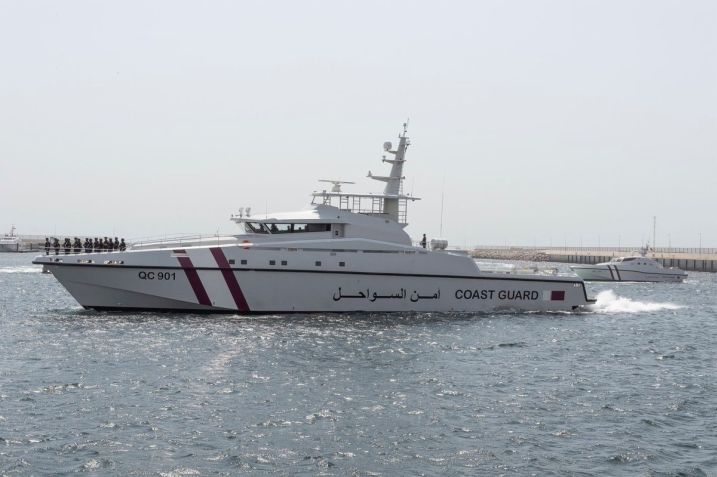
(614, 273)
(265, 291)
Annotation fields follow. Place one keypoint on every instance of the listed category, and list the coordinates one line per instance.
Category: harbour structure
(696, 259)
(346, 253)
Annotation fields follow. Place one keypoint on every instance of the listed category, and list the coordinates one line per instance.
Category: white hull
(210, 284)
(616, 273)
(10, 246)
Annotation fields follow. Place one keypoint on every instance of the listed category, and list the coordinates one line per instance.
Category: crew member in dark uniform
(87, 245)
(122, 245)
(76, 245)
(67, 246)
(106, 245)
(56, 245)
(423, 241)
(116, 244)
(47, 246)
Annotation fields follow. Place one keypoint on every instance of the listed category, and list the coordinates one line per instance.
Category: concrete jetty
(689, 259)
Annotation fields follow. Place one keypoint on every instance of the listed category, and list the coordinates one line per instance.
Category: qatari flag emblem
(557, 295)
(554, 295)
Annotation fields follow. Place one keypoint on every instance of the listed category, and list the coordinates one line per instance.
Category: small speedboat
(637, 268)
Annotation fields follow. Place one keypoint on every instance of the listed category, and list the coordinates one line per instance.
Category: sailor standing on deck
(423, 241)
(56, 245)
(47, 246)
(122, 246)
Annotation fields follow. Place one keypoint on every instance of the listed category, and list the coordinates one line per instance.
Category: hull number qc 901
(157, 275)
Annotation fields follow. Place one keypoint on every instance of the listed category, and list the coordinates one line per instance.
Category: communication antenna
(443, 193)
(337, 184)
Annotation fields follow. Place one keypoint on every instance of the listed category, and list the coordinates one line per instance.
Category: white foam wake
(609, 302)
(25, 269)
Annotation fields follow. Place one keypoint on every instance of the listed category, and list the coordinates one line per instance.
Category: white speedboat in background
(637, 268)
(347, 252)
(10, 242)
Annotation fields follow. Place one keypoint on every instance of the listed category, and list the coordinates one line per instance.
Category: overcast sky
(551, 121)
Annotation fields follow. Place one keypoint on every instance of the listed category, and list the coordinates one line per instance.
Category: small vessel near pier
(10, 242)
(635, 268)
(346, 253)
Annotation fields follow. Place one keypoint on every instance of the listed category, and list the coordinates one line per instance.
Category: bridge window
(277, 228)
(255, 228)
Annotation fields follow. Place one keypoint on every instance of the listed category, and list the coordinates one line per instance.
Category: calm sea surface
(629, 389)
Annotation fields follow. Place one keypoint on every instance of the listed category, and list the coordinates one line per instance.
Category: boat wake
(24, 269)
(609, 302)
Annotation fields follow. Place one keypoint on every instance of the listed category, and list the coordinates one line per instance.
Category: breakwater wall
(696, 260)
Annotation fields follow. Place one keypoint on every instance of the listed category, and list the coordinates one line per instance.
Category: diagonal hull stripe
(194, 280)
(230, 278)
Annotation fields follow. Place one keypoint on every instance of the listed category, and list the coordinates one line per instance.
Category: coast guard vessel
(345, 253)
(635, 268)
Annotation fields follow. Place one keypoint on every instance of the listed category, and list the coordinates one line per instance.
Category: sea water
(627, 388)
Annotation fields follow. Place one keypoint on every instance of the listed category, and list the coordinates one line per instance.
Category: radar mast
(392, 203)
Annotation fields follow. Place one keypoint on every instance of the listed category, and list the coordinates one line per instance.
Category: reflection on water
(625, 389)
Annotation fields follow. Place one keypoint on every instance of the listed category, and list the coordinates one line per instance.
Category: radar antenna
(336, 184)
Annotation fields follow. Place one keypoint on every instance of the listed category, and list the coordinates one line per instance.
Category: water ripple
(623, 390)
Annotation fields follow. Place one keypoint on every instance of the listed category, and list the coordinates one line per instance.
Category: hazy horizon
(539, 122)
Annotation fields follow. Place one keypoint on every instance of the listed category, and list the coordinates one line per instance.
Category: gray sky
(551, 121)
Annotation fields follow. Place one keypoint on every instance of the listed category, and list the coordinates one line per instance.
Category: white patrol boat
(346, 253)
(10, 242)
(636, 268)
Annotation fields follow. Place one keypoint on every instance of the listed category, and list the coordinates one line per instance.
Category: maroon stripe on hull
(194, 280)
(230, 278)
